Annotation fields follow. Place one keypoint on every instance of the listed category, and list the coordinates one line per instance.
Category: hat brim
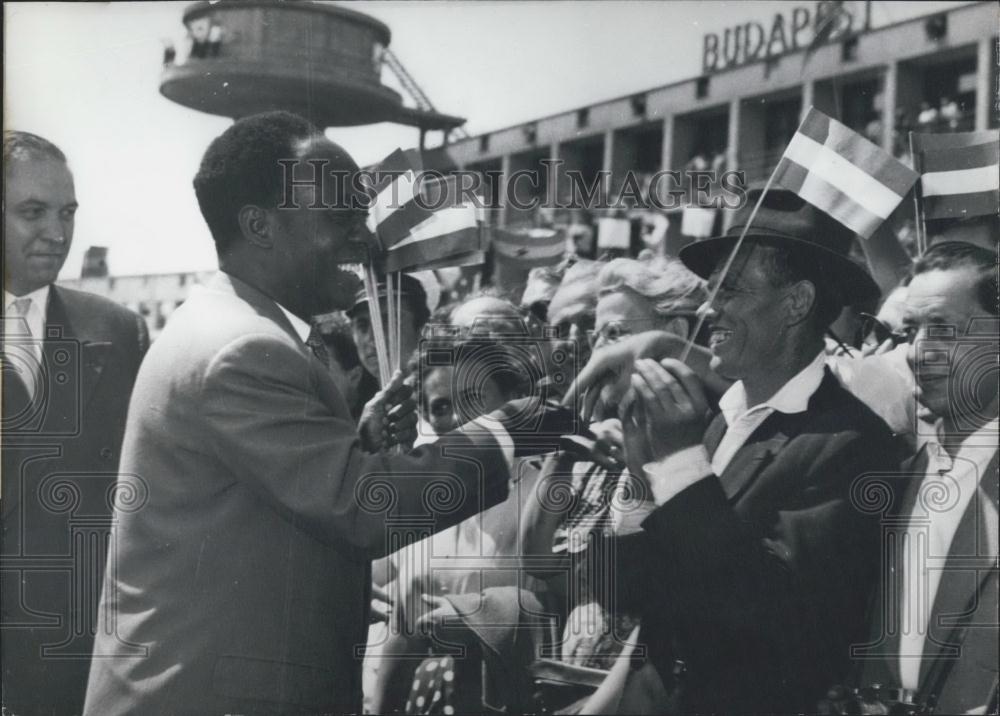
(702, 257)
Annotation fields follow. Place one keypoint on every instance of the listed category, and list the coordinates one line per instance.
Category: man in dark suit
(239, 579)
(934, 623)
(752, 570)
(69, 361)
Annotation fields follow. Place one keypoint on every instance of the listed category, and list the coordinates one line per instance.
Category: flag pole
(917, 213)
(399, 320)
(725, 268)
(375, 313)
(390, 307)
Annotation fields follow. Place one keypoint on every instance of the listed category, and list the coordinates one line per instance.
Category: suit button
(107, 453)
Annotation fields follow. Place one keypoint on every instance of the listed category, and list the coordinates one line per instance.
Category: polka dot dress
(433, 690)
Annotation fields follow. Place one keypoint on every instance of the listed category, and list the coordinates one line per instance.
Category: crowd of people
(742, 479)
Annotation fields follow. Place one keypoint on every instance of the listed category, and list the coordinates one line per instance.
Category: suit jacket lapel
(748, 462)
(63, 326)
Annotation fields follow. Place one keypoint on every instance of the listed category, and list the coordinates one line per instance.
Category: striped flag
(959, 173)
(450, 235)
(394, 211)
(527, 249)
(843, 174)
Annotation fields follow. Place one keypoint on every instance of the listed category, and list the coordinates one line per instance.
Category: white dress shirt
(24, 328)
(674, 473)
(944, 494)
(302, 328)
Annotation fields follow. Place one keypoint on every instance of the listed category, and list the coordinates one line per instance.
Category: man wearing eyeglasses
(239, 577)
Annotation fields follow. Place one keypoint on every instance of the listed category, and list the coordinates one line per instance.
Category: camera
(41, 383)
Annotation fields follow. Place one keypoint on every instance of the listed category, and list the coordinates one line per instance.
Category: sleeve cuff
(677, 471)
(495, 428)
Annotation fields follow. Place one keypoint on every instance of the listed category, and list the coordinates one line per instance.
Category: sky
(86, 76)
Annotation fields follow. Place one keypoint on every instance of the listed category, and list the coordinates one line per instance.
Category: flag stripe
(472, 258)
(971, 157)
(982, 203)
(416, 254)
(397, 225)
(817, 191)
(446, 221)
(390, 168)
(517, 240)
(952, 140)
(860, 187)
(961, 181)
(526, 252)
(858, 151)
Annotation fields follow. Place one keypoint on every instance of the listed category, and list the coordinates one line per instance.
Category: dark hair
(241, 167)
(949, 255)
(789, 265)
(25, 145)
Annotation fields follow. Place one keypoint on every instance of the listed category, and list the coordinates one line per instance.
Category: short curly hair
(240, 167)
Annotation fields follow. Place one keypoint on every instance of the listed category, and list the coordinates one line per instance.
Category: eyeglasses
(616, 330)
(882, 332)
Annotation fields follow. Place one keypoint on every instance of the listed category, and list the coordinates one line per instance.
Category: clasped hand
(664, 411)
(389, 418)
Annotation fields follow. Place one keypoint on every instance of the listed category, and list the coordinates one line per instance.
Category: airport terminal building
(933, 73)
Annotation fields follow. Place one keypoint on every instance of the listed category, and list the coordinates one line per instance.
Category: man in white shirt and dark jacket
(934, 635)
(753, 568)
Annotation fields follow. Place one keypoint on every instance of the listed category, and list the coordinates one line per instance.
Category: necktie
(21, 352)
(318, 347)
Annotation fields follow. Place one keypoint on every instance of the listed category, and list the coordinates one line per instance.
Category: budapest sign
(786, 32)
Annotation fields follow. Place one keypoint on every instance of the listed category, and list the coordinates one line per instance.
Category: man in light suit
(69, 361)
(934, 641)
(753, 568)
(239, 574)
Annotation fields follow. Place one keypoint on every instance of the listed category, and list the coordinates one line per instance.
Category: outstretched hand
(614, 363)
(389, 418)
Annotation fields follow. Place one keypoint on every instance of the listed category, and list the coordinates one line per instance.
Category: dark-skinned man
(240, 575)
(753, 570)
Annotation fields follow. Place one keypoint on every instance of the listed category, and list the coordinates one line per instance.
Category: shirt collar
(302, 328)
(39, 298)
(792, 397)
(978, 448)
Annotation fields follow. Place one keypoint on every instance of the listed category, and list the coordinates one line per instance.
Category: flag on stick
(527, 249)
(394, 210)
(843, 174)
(452, 231)
(959, 173)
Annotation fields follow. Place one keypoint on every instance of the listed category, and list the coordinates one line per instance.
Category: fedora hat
(787, 219)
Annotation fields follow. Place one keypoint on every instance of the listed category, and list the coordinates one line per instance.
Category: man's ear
(800, 299)
(255, 226)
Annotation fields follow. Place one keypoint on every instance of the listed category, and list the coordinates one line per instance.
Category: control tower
(320, 60)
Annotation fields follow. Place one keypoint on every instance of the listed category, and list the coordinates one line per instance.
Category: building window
(182, 279)
(484, 143)
(530, 133)
(701, 88)
(582, 117)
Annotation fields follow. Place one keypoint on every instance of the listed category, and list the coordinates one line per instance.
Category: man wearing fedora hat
(751, 572)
